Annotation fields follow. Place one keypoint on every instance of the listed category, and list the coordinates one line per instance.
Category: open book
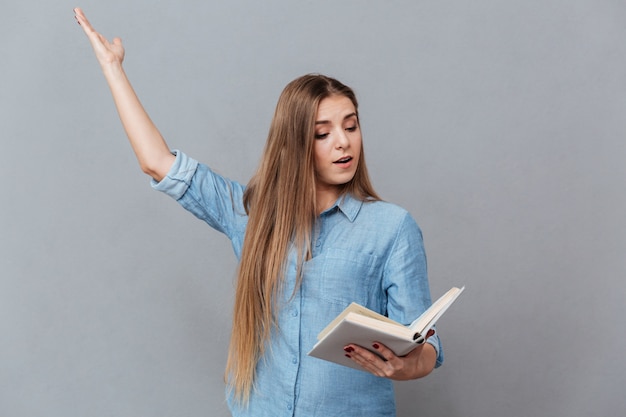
(362, 326)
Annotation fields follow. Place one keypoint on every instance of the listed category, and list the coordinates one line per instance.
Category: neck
(325, 198)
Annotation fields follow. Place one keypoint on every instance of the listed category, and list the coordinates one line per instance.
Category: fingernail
(348, 356)
(375, 346)
(347, 349)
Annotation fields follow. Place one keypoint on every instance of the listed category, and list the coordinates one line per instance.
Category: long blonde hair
(280, 200)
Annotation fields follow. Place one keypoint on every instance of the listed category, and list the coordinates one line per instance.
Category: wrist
(112, 69)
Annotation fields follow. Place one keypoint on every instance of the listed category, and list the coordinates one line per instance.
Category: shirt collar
(348, 205)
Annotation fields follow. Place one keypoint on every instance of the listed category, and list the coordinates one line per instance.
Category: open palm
(106, 52)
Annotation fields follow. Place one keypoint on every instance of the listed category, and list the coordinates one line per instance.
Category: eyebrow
(347, 116)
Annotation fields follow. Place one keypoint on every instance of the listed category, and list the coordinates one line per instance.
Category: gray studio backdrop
(499, 125)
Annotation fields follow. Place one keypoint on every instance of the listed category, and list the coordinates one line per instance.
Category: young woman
(311, 236)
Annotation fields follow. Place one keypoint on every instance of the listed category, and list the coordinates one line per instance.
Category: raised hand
(106, 52)
(153, 154)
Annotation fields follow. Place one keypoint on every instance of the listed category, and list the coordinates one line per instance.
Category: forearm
(152, 152)
(426, 362)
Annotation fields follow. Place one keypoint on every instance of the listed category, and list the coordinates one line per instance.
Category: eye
(351, 128)
(321, 135)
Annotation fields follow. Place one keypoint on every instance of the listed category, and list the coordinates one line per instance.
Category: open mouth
(343, 160)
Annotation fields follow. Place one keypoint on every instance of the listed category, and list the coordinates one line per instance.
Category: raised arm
(153, 154)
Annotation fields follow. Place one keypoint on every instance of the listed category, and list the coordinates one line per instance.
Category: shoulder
(388, 213)
(385, 223)
(384, 207)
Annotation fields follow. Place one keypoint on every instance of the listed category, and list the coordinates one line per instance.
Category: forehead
(334, 108)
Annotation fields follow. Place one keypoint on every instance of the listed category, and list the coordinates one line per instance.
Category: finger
(367, 360)
(80, 17)
(83, 22)
(384, 351)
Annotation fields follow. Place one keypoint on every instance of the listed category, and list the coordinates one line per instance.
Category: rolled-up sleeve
(178, 179)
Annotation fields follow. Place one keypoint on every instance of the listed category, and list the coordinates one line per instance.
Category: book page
(427, 320)
(358, 309)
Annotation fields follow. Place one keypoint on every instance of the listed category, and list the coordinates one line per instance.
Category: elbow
(157, 168)
(155, 174)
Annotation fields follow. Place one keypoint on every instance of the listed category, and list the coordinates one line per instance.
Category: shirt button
(294, 361)
(318, 243)
(289, 407)
(294, 313)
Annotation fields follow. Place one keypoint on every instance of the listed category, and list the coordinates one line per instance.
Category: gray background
(499, 125)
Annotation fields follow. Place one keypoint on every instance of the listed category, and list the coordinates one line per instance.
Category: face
(337, 145)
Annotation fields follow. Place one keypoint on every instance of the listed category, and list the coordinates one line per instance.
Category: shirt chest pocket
(341, 276)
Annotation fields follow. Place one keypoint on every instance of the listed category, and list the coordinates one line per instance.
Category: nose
(342, 141)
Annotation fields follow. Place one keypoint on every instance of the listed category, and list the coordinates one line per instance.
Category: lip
(343, 160)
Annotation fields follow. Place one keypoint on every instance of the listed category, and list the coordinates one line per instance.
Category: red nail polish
(347, 349)
(375, 346)
(348, 356)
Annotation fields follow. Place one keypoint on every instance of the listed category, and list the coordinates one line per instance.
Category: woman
(311, 236)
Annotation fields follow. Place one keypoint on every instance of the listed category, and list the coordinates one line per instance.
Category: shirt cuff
(436, 343)
(178, 179)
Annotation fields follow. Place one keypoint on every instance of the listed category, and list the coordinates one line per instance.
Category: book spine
(418, 338)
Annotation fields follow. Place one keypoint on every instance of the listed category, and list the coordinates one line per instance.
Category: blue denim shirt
(368, 252)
